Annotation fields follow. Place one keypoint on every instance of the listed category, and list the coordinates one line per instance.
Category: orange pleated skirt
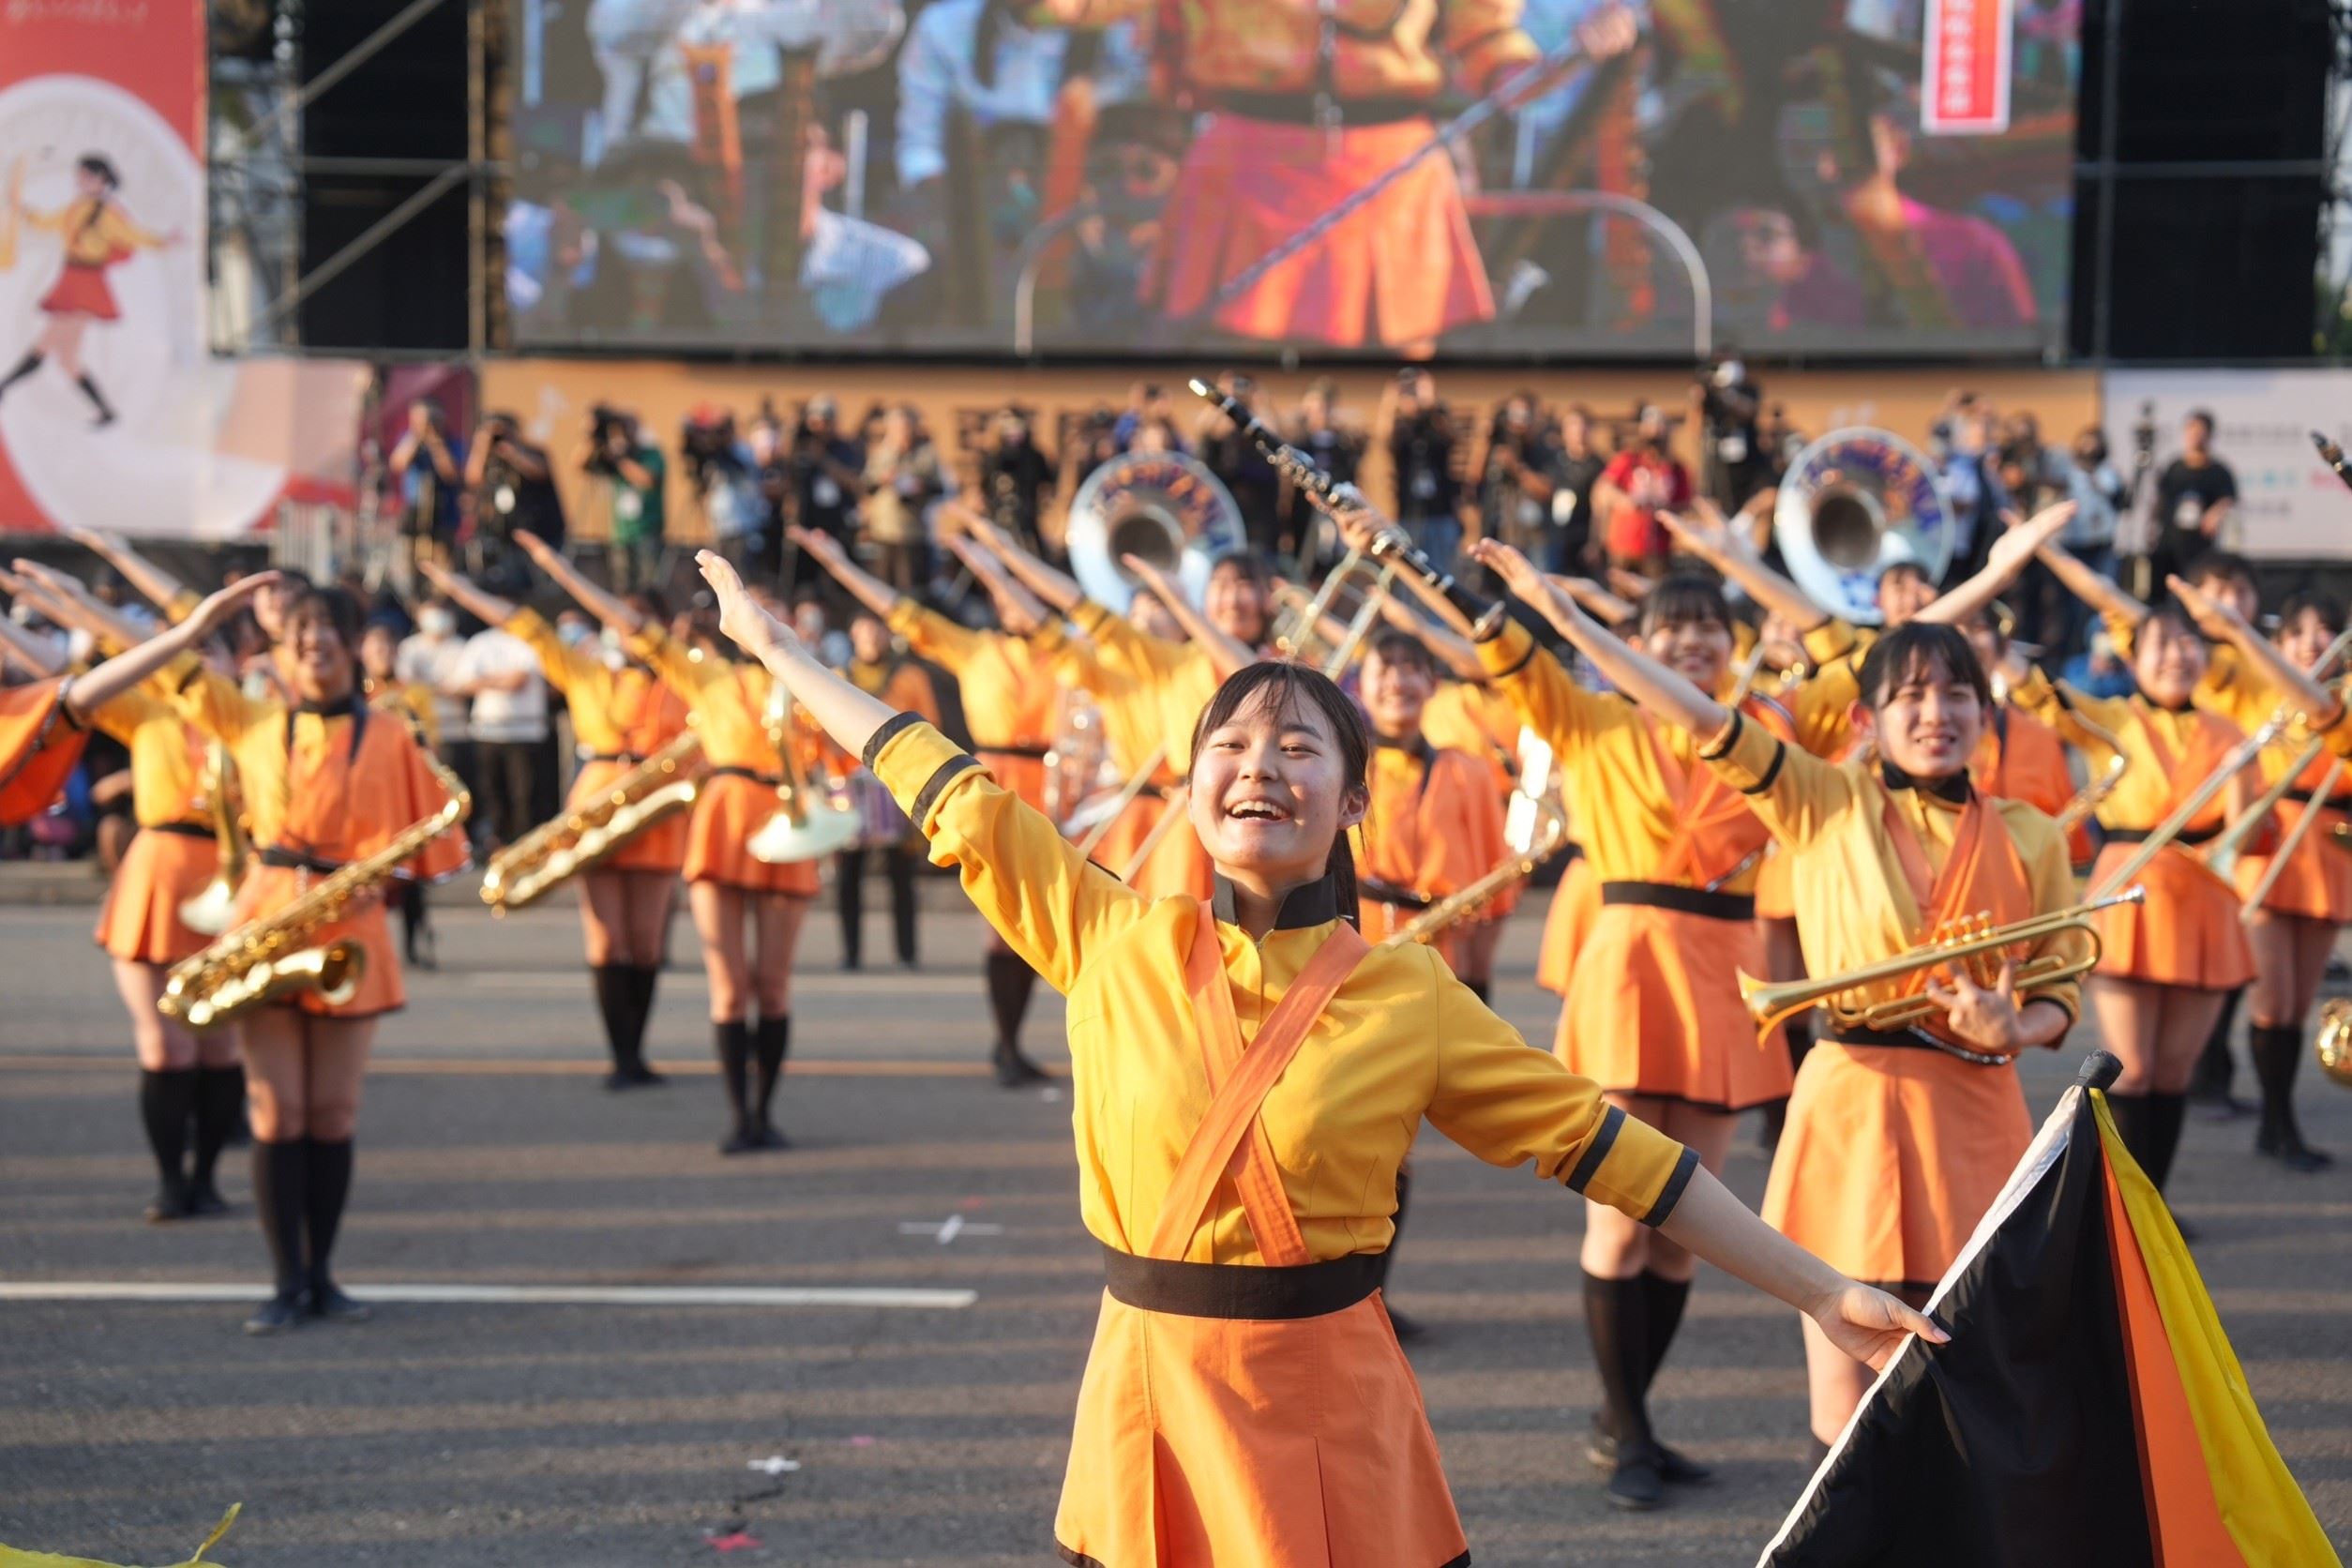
(1890, 1158)
(1206, 1442)
(2186, 932)
(1576, 902)
(269, 888)
(2317, 882)
(660, 848)
(162, 869)
(1654, 1008)
(728, 812)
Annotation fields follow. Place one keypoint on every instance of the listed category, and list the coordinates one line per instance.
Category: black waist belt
(1037, 753)
(771, 780)
(186, 830)
(1235, 1290)
(2333, 802)
(1300, 109)
(2139, 836)
(1903, 1039)
(295, 860)
(1689, 900)
(632, 758)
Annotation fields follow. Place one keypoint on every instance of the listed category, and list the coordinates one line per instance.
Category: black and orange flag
(2088, 1409)
(38, 746)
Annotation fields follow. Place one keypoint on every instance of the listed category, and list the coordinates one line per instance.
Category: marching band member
(1241, 1207)
(2020, 758)
(2169, 964)
(876, 669)
(187, 1082)
(1010, 702)
(747, 911)
(1894, 1149)
(619, 719)
(324, 786)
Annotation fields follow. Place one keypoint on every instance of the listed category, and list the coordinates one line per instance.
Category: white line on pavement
(503, 1295)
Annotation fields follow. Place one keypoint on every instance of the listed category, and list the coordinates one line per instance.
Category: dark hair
(1898, 569)
(1289, 688)
(1396, 645)
(2174, 616)
(1681, 598)
(2201, 416)
(1919, 648)
(2310, 601)
(338, 609)
(2221, 565)
(1245, 562)
(95, 164)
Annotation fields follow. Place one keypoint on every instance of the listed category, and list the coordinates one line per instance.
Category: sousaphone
(1853, 504)
(1163, 507)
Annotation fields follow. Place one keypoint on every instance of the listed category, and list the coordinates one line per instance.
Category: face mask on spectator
(436, 622)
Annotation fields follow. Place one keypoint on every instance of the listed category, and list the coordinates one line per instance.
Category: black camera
(611, 434)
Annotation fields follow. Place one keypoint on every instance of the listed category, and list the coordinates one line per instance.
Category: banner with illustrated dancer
(111, 414)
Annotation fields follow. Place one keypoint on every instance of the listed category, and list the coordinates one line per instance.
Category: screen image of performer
(1010, 702)
(619, 719)
(1242, 1185)
(191, 1089)
(1307, 105)
(1894, 1147)
(98, 234)
(326, 783)
(747, 911)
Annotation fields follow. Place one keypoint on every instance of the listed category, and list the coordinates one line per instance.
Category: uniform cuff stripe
(1671, 1193)
(945, 775)
(1764, 780)
(1598, 1150)
(893, 727)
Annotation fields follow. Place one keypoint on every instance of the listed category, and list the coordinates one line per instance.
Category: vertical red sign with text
(1964, 80)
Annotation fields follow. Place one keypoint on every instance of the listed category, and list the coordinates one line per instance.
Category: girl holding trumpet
(747, 911)
(1242, 1201)
(1895, 1146)
(619, 719)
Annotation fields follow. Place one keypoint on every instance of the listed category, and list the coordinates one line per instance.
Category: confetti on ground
(862, 1441)
(775, 1464)
(733, 1541)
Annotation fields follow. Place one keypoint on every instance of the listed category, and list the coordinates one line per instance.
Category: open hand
(2215, 619)
(2017, 545)
(1871, 1325)
(1520, 575)
(740, 617)
(823, 545)
(1984, 1017)
(219, 608)
(1704, 531)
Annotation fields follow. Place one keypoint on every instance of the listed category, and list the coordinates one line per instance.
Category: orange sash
(39, 747)
(1714, 831)
(2206, 749)
(1231, 1140)
(1983, 874)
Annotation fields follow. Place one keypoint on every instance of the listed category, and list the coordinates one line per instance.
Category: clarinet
(1390, 545)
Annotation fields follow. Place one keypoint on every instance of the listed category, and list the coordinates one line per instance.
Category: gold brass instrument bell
(807, 823)
(208, 913)
(2333, 1046)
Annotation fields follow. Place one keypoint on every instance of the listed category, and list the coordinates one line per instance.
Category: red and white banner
(1964, 81)
(112, 414)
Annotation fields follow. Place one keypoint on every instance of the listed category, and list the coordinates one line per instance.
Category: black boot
(278, 1199)
(1405, 1327)
(241, 1130)
(2212, 1083)
(1010, 982)
(848, 898)
(624, 1027)
(328, 1189)
(1616, 1318)
(733, 1041)
(642, 980)
(220, 1111)
(97, 400)
(2162, 1116)
(167, 1102)
(773, 1042)
(1664, 1298)
(24, 366)
(2278, 1056)
(900, 865)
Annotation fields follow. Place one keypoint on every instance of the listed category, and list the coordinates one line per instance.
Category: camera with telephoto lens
(611, 436)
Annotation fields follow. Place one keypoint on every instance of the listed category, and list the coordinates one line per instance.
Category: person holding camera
(1732, 464)
(429, 466)
(903, 482)
(1016, 478)
(725, 478)
(1419, 432)
(633, 473)
(2195, 496)
(828, 480)
(513, 485)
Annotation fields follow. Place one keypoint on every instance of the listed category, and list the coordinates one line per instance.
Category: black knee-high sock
(614, 986)
(2277, 1051)
(900, 865)
(1616, 1318)
(734, 1039)
(219, 1104)
(849, 893)
(774, 1043)
(2215, 1069)
(2130, 1114)
(642, 980)
(98, 399)
(2163, 1115)
(328, 1188)
(24, 366)
(167, 1102)
(279, 1180)
(1396, 1234)
(1010, 983)
(1664, 1300)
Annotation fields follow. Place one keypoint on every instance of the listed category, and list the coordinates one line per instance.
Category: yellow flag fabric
(2261, 1506)
(11, 1557)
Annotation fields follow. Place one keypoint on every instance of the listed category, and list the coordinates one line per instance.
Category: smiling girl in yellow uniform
(1249, 1074)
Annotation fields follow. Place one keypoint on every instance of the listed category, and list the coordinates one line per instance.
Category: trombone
(2295, 836)
(2093, 794)
(1773, 1003)
(2222, 853)
(1298, 632)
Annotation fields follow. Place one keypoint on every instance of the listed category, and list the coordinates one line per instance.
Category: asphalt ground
(595, 1435)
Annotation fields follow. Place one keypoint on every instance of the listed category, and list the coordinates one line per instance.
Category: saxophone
(1537, 830)
(664, 783)
(269, 959)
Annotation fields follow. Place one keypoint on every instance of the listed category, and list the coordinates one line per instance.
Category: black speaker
(405, 102)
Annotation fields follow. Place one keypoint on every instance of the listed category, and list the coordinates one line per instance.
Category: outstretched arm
(863, 586)
(613, 611)
(1596, 601)
(122, 671)
(68, 602)
(157, 586)
(1646, 681)
(1707, 534)
(1057, 589)
(2111, 603)
(43, 656)
(462, 591)
(1457, 654)
(2002, 563)
(1017, 611)
(1228, 655)
(2294, 684)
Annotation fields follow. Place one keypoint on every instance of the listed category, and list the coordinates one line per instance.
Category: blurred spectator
(632, 472)
(2194, 497)
(508, 722)
(429, 465)
(1016, 478)
(1570, 544)
(1337, 449)
(1514, 493)
(1147, 403)
(827, 476)
(1732, 463)
(2101, 496)
(725, 480)
(513, 487)
(2097, 671)
(1418, 430)
(812, 623)
(1643, 479)
(902, 484)
(1972, 481)
(432, 657)
(1235, 458)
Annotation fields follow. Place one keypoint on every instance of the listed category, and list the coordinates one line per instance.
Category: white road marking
(775, 1464)
(949, 1229)
(501, 1295)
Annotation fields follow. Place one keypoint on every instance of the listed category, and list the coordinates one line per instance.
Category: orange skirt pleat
(1575, 903)
(1303, 1444)
(141, 920)
(1654, 1008)
(1890, 1158)
(660, 848)
(270, 888)
(2317, 882)
(2186, 932)
(729, 811)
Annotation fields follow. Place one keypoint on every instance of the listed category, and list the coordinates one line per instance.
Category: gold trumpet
(1773, 1003)
(806, 824)
(2334, 1045)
